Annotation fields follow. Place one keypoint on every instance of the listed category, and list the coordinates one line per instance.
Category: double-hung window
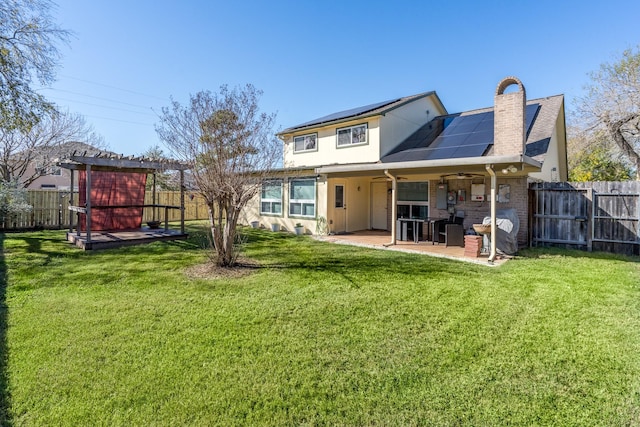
(352, 135)
(302, 197)
(304, 143)
(271, 197)
(413, 200)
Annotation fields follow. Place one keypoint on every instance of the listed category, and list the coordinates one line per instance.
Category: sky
(128, 59)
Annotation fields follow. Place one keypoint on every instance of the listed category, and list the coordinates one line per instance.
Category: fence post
(591, 210)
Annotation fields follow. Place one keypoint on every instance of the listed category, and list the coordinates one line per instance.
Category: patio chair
(450, 231)
(453, 235)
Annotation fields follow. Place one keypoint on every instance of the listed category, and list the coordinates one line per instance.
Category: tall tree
(612, 104)
(592, 158)
(231, 148)
(28, 53)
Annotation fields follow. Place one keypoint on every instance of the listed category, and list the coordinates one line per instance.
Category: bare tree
(166, 180)
(28, 52)
(231, 148)
(40, 144)
(612, 104)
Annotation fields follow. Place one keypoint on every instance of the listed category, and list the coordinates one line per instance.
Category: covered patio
(375, 239)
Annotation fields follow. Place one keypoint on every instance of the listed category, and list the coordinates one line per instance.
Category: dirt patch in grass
(209, 270)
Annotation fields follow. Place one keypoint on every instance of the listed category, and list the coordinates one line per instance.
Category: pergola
(111, 192)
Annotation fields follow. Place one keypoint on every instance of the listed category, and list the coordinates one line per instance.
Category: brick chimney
(509, 119)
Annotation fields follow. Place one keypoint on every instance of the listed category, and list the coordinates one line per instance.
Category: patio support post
(394, 196)
(88, 203)
(70, 201)
(494, 228)
(153, 197)
(181, 201)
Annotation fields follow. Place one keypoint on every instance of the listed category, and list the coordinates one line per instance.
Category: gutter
(394, 208)
(494, 227)
(421, 164)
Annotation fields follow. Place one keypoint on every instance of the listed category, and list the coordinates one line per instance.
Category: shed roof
(114, 162)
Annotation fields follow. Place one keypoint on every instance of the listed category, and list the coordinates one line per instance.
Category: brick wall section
(509, 119)
(474, 212)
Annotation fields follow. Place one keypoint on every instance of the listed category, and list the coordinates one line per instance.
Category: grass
(320, 334)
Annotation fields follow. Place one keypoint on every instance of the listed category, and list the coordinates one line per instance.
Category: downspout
(394, 196)
(494, 227)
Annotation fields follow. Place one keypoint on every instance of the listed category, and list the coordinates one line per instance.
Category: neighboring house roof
(379, 108)
(470, 134)
(80, 149)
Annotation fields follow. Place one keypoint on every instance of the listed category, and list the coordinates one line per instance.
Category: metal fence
(600, 216)
(50, 209)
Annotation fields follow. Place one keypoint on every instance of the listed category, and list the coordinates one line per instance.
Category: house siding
(251, 212)
(399, 124)
(329, 153)
(556, 155)
(475, 212)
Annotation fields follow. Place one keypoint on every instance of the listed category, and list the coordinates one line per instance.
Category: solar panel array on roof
(346, 113)
(464, 136)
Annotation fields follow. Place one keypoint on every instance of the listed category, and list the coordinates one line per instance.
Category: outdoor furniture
(453, 235)
(440, 231)
(484, 230)
(410, 227)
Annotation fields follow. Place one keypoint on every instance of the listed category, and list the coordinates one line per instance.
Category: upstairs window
(352, 135)
(304, 143)
(271, 197)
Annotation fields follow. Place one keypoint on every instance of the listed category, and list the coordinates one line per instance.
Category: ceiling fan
(461, 175)
(399, 178)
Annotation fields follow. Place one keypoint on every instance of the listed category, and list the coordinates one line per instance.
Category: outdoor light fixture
(509, 169)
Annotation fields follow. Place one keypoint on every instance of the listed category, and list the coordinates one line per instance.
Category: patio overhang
(514, 165)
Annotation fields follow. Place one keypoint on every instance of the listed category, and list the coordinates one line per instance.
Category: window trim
(306, 150)
(412, 203)
(350, 128)
(302, 201)
(272, 201)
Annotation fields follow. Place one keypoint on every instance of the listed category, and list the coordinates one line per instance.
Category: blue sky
(313, 58)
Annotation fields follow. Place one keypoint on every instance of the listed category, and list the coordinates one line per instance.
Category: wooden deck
(381, 239)
(116, 239)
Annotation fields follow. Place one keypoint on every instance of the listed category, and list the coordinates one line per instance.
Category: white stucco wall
(328, 151)
(251, 212)
(398, 124)
(384, 133)
(556, 156)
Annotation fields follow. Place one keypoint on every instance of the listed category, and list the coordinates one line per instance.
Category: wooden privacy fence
(600, 216)
(50, 209)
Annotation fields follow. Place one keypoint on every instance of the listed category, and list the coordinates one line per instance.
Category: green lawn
(319, 334)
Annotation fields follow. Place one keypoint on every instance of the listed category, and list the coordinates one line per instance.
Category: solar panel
(469, 135)
(346, 113)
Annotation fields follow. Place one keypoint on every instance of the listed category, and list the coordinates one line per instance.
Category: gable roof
(470, 134)
(365, 111)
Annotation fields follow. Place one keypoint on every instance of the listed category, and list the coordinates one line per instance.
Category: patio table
(416, 225)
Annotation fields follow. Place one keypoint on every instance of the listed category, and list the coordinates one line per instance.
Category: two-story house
(366, 167)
